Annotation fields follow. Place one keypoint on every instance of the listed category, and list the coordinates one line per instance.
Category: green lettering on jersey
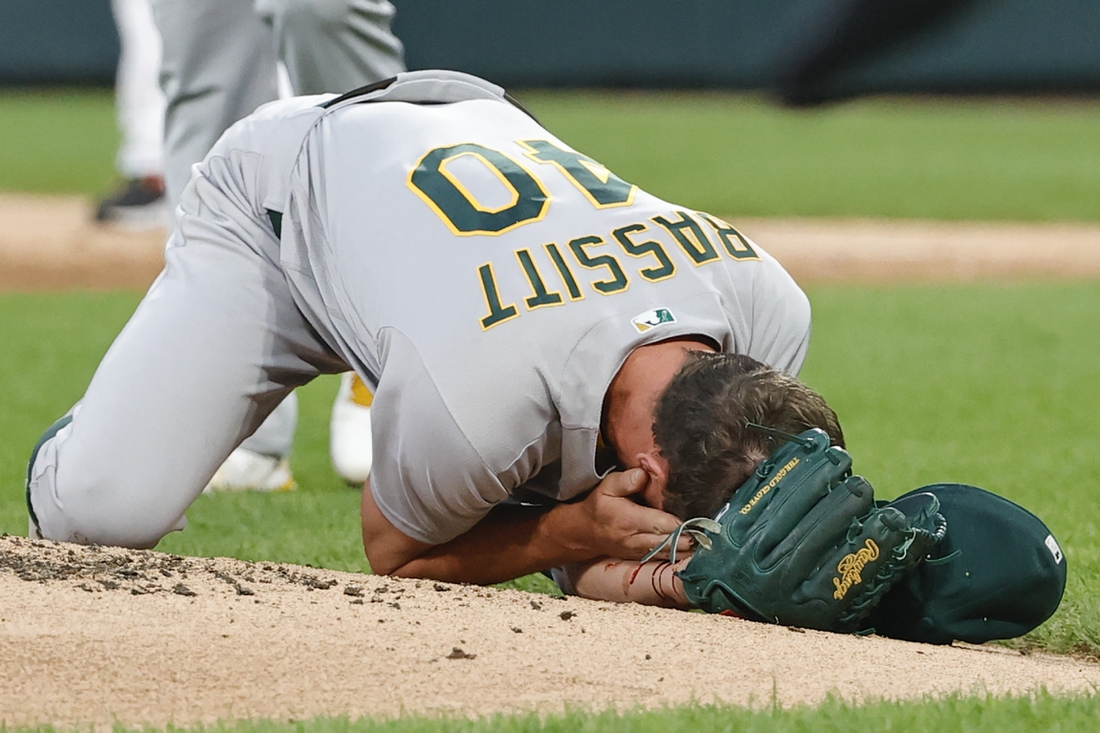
(618, 281)
(689, 235)
(653, 274)
(538, 287)
(457, 206)
(562, 266)
(736, 245)
(602, 187)
(497, 312)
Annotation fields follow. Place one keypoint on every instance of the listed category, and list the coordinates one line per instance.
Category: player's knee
(94, 512)
(74, 500)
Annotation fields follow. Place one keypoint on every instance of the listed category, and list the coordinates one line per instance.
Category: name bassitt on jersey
(499, 194)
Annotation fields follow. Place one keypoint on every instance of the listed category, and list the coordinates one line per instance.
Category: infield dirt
(90, 636)
(97, 636)
(50, 243)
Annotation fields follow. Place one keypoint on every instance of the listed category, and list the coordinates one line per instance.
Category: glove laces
(695, 528)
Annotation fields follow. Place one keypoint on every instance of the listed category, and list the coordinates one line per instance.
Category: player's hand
(609, 522)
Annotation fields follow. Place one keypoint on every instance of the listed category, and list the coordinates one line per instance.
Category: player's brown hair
(700, 426)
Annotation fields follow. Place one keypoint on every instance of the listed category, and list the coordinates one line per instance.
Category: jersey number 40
(465, 215)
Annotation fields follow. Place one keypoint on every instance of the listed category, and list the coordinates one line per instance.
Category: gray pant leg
(334, 45)
(212, 349)
(218, 65)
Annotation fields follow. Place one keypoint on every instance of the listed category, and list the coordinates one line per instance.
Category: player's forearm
(513, 541)
(652, 583)
(510, 542)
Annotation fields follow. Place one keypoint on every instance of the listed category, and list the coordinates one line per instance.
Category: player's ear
(656, 467)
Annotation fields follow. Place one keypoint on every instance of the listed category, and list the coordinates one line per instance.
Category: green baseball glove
(801, 542)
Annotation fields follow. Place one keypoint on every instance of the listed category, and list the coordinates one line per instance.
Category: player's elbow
(398, 567)
(379, 566)
(396, 556)
(387, 547)
(388, 555)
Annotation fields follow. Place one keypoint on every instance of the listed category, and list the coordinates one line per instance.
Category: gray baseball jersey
(487, 278)
(491, 280)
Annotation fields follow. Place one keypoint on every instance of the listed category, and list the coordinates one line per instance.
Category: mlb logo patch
(652, 319)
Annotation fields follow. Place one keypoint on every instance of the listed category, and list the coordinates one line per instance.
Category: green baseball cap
(998, 573)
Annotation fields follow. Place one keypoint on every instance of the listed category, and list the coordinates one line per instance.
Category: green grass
(955, 714)
(992, 385)
(940, 159)
(57, 141)
(732, 154)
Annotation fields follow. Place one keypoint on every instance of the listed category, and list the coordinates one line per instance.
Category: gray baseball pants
(214, 347)
(219, 64)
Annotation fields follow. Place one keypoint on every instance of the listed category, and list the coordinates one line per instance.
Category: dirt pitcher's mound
(94, 636)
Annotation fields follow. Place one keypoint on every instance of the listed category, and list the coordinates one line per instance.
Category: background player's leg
(139, 103)
(334, 45)
(350, 430)
(218, 66)
(212, 349)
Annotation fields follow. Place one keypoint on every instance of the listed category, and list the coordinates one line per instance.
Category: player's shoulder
(290, 106)
(264, 122)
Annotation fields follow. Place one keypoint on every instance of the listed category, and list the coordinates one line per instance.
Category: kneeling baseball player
(537, 331)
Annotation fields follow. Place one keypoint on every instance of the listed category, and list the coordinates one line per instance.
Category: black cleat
(138, 203)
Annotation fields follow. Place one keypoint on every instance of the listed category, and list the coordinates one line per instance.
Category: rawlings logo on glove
(850, 568)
